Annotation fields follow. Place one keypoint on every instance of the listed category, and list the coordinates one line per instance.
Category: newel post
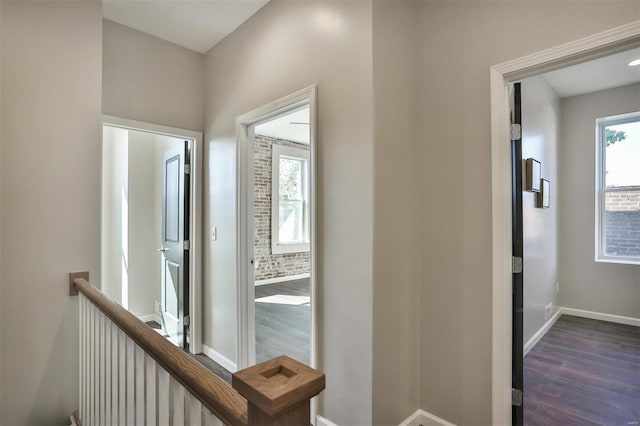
(278, 391)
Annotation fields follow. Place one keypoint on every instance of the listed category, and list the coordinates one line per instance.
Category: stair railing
(131, 375)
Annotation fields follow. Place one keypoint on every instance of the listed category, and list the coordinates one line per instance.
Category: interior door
(175, 278)
(517, 250)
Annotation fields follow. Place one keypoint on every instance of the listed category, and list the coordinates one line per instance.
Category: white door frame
(195, 218)
(598, 45)
(246, 293)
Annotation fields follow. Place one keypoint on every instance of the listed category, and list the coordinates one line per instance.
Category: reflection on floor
(583, 372)
(283, 320)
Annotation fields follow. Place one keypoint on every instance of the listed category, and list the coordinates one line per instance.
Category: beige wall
(459, 41)
(396, 284)
(1, 335)
(51, 67)
(287, 46)
(144, 259)
(586, 284)
(540, 132)
(151, 80)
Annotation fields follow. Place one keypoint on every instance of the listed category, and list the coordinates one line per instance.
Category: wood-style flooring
(283, 320)
(583, 372)
(283, 324)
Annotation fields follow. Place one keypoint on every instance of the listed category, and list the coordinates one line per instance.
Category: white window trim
(278, 151)
(600, 192)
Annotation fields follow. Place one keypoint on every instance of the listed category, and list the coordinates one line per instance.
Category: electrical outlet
(157, 307)
(547, 311)
(557, 286)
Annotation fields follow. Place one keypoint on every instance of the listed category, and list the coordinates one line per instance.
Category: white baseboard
(421, 417)
(321, 421)
(220, 359)
(540, 333)
(281, 279)
(619, 319)
(151, 317)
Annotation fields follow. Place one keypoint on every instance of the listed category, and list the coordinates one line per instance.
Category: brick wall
(269, 265)
(622, 223)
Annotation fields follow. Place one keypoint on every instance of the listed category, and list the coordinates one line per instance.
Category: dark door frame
(517, 256)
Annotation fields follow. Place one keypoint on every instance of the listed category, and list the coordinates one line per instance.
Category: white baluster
(139, 386)
(81, 354)
(94, 361)
(177, 403)
(163, 396)
(106, 386)
(86, 350)
(210, 419)
(122, 381)
(114, 373)
(101, 379)
(131, 383)
(150, 383)
(195, 410)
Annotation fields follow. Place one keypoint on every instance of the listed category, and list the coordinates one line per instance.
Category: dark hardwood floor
(283, 320)
(583, 372)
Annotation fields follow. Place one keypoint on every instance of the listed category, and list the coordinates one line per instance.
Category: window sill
(619, 260)
(290, 248)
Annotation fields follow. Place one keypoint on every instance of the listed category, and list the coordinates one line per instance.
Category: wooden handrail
(215, 394)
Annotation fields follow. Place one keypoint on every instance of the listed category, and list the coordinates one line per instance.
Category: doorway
(150, 244)
(505, 397)
(567, 274)
(277, 270)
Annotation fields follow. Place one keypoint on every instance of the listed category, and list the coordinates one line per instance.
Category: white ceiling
(196, 25)
(288, 127)
(600, 74)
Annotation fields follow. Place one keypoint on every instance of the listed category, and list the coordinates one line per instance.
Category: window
(290, 200)
(618, 189)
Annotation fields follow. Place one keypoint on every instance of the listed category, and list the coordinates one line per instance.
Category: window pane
(291, 222)
(622, 155)
(292, 191)
(291, 179)
(622, 223)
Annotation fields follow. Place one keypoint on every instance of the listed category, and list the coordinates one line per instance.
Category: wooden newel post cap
(278, 385)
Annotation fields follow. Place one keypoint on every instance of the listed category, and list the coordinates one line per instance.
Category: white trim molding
(282, 279)
(323, 421)
(244, 227)
(245, 272)
(540, 333)
(501, 75)
(150, 317)
(225, 362)
(618, 319)
(421, 417)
